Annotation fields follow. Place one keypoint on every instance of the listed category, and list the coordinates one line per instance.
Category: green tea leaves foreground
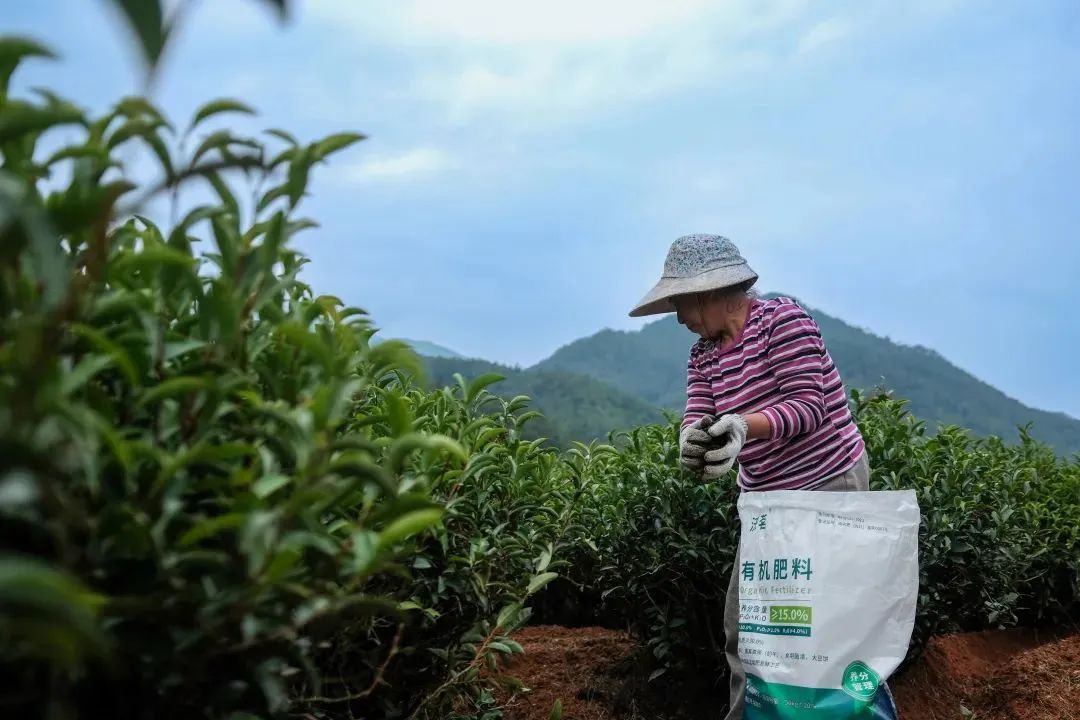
(216, 495)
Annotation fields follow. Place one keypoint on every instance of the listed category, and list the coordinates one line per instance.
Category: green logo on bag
(860, 682)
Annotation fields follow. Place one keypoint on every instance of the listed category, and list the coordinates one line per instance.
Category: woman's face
(688, 310)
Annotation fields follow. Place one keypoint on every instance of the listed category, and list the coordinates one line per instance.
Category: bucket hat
(695, 263)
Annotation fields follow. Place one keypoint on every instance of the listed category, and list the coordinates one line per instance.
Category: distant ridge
(614, 380)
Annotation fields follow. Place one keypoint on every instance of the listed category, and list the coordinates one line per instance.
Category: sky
(912, 168)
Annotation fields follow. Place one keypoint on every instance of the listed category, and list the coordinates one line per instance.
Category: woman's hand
(694, 441)
(730, 431)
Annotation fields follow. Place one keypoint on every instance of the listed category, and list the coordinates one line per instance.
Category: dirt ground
(1009, 675)
(1012, 675)
(584, 668)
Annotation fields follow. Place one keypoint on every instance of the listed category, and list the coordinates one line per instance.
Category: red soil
(1013, 675)
(584, 668)
(1010, 675)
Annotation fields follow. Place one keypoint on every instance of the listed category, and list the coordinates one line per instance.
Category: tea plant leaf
(19, 119)
(272, 241)
(281, 6)
(364, 470)
(545, 560)
(174, 387)
(134, 106)
(270, 681)
(49, 266)
(556, 711)
(221, 141)
(270, 196)
(223, 191)
(217, 107)
(157, 145)
(329, 145)
(402, 446)
(477, 385)
(266, 486)
(194, 216)
(147, 21)
(180, 348)
(210, 527)
(136, 127)
(153, 257)
(408, 525)
(313, 346)
(365, 551)
(283, 156)
(540, 581)
(68, 211)
(13, 50)
(117, 355)
(77, 152)
(83, 371)
(297, 181)
(49, 611)
(282, 135)
(398, 413)
(282, 564)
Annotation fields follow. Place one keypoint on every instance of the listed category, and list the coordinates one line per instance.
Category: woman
(761, 389)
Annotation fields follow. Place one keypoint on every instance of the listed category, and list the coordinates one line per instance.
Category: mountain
(651, 364)
(427, 349)
(614, 380)
(575, 407)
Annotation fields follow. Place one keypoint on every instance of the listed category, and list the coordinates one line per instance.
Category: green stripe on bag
(776, 701)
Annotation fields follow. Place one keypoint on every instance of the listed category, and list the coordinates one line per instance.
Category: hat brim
(658, 300)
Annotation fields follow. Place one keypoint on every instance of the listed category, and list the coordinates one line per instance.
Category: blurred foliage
(216, 495)
(154, 23)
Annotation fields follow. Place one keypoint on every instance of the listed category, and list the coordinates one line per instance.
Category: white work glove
(694, 441)
(728, 436)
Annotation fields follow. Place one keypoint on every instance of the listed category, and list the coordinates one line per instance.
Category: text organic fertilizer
(828, 583)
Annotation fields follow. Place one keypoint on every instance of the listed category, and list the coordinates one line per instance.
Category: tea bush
(507, 513)
(1000, 532)
(664, 546)
(999, 537)
(216, 495)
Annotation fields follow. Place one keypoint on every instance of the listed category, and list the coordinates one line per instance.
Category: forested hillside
(651, 364)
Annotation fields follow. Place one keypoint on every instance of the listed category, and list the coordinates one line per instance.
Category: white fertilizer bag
(828, 583)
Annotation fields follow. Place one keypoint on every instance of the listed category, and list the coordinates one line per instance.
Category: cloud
(545, 90)
(413, 164)
(548, 63)
(496, 22)
(824, 33)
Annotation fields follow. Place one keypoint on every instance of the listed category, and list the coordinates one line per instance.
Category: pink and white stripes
(778, 366)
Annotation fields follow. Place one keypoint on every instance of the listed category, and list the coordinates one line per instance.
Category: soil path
(1010, 675)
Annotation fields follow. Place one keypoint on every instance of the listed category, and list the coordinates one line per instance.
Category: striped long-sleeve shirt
(778, 366)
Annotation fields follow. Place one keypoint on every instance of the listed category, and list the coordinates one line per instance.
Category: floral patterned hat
(695, 263)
